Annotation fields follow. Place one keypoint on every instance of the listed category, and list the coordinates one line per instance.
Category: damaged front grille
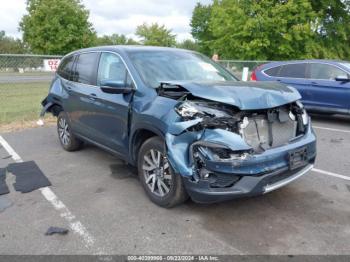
(262, 133)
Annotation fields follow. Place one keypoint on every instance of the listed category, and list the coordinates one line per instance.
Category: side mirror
(342, 78)
(115, 87)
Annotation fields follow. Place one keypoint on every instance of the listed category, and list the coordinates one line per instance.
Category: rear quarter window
(65, 68)
(273, 71)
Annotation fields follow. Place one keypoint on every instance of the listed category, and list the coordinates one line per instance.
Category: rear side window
(86, 67)
(273, 71)
(326, 72)
(293, 71)
(65, 68)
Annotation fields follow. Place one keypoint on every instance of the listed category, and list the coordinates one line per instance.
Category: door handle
(93, 97)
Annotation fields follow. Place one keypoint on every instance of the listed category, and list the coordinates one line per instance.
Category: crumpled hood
(244, 95)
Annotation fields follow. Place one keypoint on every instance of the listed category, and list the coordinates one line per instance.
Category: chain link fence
(18, 68)
(24, 82)
(237, 67)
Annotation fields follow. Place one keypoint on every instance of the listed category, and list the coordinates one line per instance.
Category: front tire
(162, 185)
(68, 140)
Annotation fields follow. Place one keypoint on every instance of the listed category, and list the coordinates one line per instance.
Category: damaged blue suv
(187, 124)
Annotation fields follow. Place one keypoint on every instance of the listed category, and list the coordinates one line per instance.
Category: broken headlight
(216, 152)
(304, 115)
(190, 110)
(223, 154)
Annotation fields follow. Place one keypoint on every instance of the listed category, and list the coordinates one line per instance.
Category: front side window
(111, 68)
(85, 68)
(293, 71)
(325, 71)
(65, 68)
(156, 66)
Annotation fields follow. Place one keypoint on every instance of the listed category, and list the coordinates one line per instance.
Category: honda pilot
(188, 125)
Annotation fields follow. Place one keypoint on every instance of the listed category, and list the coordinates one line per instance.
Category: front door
(328, 94)
(111, 111)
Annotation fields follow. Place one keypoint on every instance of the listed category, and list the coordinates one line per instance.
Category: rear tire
(68, 140)
(162, 185)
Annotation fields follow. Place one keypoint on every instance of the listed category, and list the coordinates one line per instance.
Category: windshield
(161, 66)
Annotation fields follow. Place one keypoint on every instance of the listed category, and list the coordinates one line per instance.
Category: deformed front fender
(180, 140)
(178, 127)
(178, 151)
(226, 138)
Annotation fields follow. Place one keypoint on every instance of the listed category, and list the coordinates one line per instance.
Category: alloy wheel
(156, 172)
(63, 131)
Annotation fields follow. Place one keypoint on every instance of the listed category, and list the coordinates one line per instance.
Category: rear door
(82, 94)
(328, 94)
(295, 75)
(65, 71)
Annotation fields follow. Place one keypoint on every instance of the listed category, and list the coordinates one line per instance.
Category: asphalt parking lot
(100, 200)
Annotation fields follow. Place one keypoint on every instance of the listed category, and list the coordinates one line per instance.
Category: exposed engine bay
(259, 130)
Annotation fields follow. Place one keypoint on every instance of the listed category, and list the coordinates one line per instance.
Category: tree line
(233, 29)
(54, 27)
(273, 29)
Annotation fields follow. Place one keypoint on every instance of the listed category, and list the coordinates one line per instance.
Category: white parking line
(10, 150)
(75, 225)
(330, 174)
(331, 129)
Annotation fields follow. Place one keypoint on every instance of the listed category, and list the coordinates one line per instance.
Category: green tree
(115, 39)
(188, 44)
(273, 29)
(200, 27)
(156, 35)
(264, 30)
(333, 27)
(9, 45)
(56, 27)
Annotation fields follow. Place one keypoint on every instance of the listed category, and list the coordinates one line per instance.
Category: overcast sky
(116, 16)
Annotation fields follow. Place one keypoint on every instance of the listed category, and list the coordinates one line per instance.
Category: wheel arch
(139, 137)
